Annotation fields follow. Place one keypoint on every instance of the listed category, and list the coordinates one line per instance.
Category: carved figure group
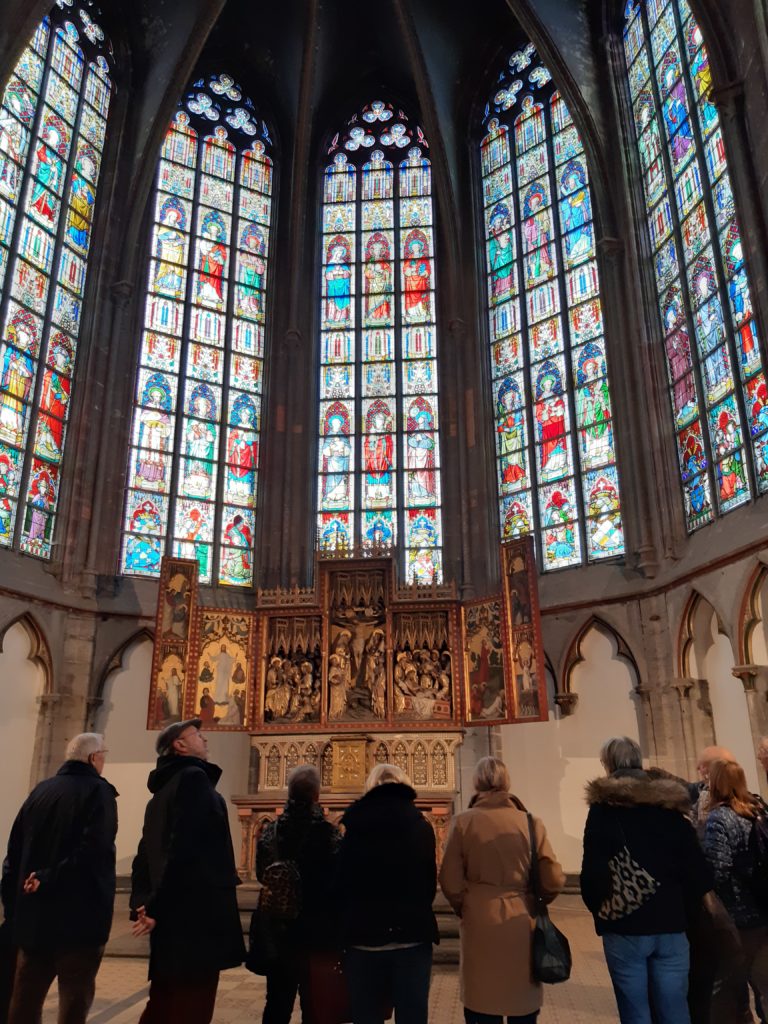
(292, 692)
(422, 678)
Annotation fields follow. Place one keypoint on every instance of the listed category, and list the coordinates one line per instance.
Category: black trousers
(76, 970)
(287, 978)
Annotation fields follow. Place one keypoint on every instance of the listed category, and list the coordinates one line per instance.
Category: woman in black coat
(386, 882)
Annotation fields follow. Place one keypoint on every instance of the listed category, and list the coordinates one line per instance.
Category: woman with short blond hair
(485, 876)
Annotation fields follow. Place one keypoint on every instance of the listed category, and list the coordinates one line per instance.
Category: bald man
(699, 791)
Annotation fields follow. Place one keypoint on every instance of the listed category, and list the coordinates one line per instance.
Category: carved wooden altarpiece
(349, 673)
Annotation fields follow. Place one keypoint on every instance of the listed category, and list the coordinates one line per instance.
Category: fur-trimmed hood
(637, 789)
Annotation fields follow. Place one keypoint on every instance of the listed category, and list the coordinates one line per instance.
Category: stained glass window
(555, 454)
(53, 121)
(379, 446)
(195, 438)
(716, 382)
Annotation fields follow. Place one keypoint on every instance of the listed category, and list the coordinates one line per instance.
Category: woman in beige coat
(485, 877)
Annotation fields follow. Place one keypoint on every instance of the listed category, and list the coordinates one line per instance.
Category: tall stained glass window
(379, 447)
(555, 454)
(195, 438)
(53, 121)
(716, 382)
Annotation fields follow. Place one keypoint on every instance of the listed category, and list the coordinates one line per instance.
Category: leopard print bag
(631, 885)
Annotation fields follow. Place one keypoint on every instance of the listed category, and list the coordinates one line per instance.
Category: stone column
(691, 723)
(754, 679)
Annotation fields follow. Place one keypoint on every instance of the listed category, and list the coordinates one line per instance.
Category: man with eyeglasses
(184, 881)
(58, 884)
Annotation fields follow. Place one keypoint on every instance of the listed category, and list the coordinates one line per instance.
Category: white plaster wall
(729, 703)
(550, 762)
(122, 718)
(21, 683)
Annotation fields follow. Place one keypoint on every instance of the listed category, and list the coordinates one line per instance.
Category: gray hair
(81, 747)
(491, 774)
(621, 752)
(382, 773)
(304, 784)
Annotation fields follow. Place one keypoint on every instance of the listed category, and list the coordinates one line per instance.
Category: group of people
(676, 880)
(671, 874)
(58, 885)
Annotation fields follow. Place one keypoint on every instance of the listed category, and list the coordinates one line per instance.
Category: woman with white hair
(486, 877)
(387, 879)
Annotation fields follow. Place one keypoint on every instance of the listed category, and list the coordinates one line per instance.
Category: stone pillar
(691, 722)
(754, 679)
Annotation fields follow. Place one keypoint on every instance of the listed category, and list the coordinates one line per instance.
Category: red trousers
(190, 1000)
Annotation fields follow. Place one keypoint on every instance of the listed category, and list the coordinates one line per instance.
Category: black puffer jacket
(65, 833)
(386, 874)
(184, 872)
(303, 835)
(668, 875)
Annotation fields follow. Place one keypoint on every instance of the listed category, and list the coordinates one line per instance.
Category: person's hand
(31, 883)
(144, 924)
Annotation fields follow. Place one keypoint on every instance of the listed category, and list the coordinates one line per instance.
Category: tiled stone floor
(586, 999)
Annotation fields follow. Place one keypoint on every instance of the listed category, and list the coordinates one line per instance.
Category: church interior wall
(22, 683)
(550, 763)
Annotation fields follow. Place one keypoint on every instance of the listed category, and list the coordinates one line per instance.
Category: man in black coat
(184, 880)
(58, 886)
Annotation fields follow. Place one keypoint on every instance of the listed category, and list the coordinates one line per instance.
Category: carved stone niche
(429, 759)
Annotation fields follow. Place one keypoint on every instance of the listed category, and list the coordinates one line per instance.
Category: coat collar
(623, 789)
(495, 798)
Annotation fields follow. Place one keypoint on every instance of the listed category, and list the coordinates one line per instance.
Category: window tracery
(192, 477)
(53, 122)
(379, 446)
(555, 451)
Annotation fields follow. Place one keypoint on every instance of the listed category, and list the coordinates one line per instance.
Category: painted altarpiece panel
(176, 606)
(521, 604)
(220, 690)
(487, 694)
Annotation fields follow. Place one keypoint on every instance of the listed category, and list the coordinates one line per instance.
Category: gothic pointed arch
(695, 634)
(553, 422)
(574, 655)
(116, 660)
(53, 125)
(39, 651)
(752, 613)
(194, 455)
(716, 381)
(379, 441)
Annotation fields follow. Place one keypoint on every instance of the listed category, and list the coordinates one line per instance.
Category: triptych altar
(353, 671)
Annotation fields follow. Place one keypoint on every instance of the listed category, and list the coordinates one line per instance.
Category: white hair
(81, 747)
(620, 752)
(382, 773)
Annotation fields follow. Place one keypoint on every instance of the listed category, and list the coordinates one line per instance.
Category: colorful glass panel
(193, 470)
(379, 442)
(555, 453)
(710, 337)
(49, 169)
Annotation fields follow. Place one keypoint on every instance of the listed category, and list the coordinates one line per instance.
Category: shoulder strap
(541, 907)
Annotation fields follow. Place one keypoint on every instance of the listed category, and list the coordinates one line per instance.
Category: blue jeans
(649, 967)
(389, 977)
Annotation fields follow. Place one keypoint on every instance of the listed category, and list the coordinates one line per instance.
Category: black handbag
(550, 950)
